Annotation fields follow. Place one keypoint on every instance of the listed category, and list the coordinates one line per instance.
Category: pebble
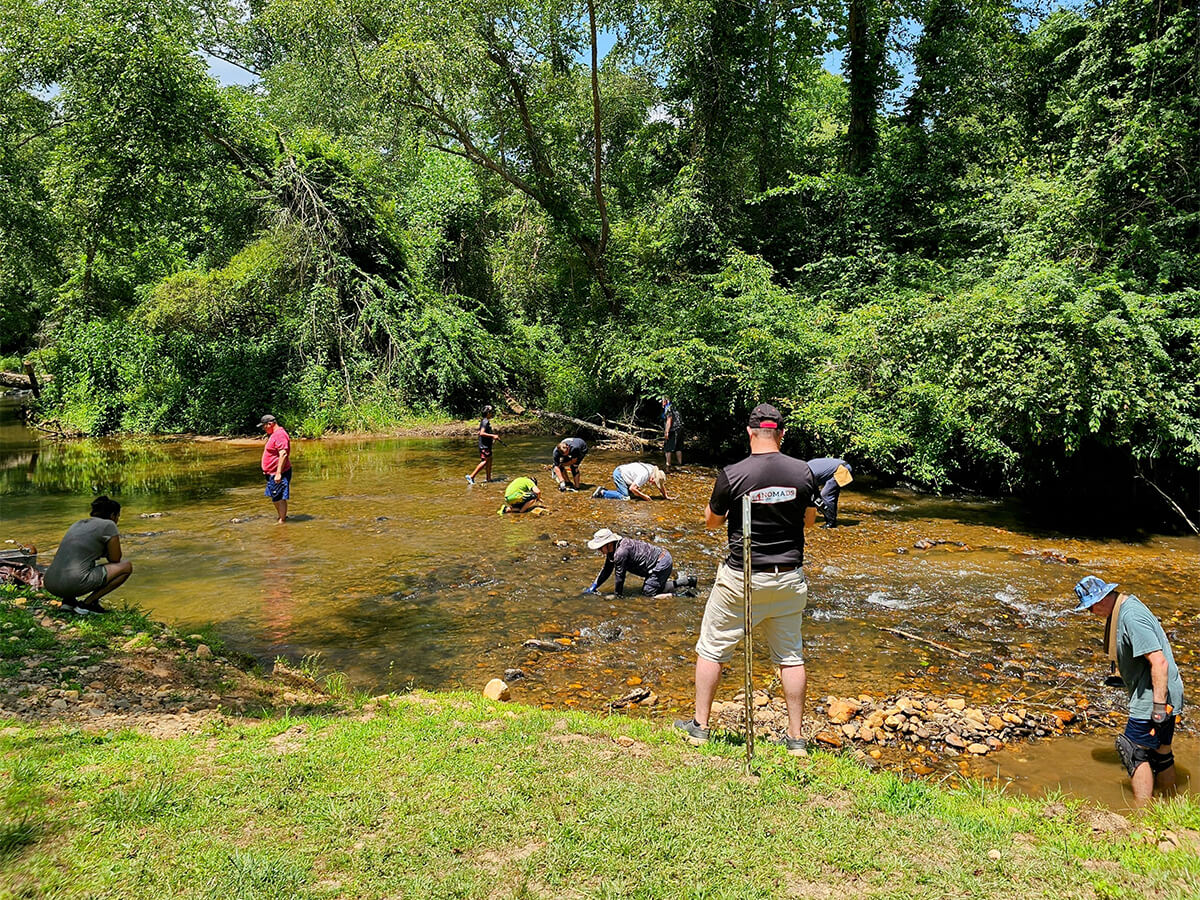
(977, 749)
(204, 652)
(994, 855)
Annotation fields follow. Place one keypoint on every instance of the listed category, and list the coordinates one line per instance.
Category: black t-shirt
(485, 443)
(578, 450)
(781, 488)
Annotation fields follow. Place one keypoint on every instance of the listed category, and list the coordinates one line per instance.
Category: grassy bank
(456, 796)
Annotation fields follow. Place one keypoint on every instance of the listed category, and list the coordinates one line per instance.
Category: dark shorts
(674, 443)
(96, 578)
(1138, 731)
(282, 490)
(485, 452)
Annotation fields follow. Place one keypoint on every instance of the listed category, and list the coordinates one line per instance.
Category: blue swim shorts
(279, 490)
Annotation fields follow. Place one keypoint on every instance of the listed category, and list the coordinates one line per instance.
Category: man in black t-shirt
(782, 490)
(568, 454)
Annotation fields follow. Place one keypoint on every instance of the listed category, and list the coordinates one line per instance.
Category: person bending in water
(486, 436)
(630, 479)
(76, 568)
(623, 555)
(568, 454)
(1135, 639)
(522, 495)
(831, 474)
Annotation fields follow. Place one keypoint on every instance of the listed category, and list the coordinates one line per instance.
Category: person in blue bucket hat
(1135, 640)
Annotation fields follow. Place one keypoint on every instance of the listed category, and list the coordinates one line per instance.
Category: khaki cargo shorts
(778, 606)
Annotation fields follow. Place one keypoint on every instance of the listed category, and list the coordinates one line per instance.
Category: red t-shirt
(277, 442)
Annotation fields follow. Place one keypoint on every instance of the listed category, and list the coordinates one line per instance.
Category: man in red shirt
(277, 465)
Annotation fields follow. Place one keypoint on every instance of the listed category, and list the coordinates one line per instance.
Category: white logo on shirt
(773, 495)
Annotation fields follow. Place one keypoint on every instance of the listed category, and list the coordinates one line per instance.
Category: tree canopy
(969, 255)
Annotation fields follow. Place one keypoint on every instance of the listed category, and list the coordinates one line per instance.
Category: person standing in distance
(782, 489)
(277, 465)
(672, 434)
(486, 436)
(1135, 639)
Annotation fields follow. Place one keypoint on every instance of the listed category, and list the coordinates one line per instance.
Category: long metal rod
(748, 610)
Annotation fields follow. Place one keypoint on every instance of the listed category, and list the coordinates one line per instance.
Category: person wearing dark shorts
(1134, 639)
(782, 490)
(672, 434)
(486, 436)
(77, 570)
(568, 454)
(277, 465)
(830, 474)
(624, 555)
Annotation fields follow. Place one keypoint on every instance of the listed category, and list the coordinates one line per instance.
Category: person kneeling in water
(623, 555)
(76, 568)
(522, 495)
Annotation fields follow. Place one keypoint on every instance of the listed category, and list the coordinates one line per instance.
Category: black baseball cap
(765, 416)
(266, 420)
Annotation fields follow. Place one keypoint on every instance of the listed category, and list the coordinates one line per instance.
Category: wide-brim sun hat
(1091, 590)
(602, 537)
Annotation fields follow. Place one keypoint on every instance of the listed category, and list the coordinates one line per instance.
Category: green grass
(24, 640)
(458, 797)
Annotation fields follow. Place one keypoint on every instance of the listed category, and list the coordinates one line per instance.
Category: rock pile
(908, 721)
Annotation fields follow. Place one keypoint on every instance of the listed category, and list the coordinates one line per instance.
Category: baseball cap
(765, 416)
(266, 420)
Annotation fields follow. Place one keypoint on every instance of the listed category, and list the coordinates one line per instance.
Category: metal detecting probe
(748, 608)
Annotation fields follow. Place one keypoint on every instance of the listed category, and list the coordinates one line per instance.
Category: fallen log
(625, 437)
(20, 380)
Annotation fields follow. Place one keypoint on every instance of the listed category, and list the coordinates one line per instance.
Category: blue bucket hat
(1091, 590)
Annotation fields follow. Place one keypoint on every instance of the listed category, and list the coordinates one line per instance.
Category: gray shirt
(1139, 633)
(84, 543)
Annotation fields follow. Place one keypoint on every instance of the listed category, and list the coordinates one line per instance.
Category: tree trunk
(864, 64)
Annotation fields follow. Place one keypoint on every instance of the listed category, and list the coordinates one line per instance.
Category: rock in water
(496, 690)
(513, 674)
(608, 631)
(546, 646)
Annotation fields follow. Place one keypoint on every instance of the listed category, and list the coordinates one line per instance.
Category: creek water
(398, 573)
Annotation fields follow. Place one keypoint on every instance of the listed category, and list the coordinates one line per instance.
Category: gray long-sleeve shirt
(631, 555)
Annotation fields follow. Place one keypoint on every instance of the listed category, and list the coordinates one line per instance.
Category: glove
(819, 504)
(592, 589)
(1161, 711)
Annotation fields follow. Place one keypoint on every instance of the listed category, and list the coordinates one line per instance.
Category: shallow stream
(398, 573)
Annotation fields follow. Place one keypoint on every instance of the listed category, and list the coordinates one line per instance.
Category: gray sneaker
(794, 746)
(470, 480)
(598, 493)
(692, 730)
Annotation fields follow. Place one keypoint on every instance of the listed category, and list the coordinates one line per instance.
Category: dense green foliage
(981, 272)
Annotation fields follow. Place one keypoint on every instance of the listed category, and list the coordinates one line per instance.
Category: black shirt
(781, 488)
(577, 452)
(485, 443)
